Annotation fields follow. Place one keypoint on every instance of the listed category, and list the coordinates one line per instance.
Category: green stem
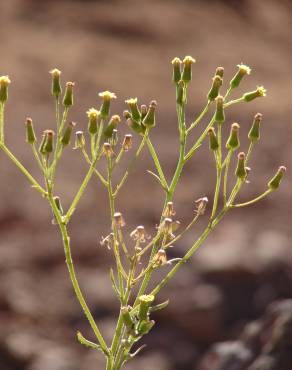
(2, 107)
(31, 179)
(227, 164)
(267, 192)
(156, 162)
(235, 101)
(197, 121)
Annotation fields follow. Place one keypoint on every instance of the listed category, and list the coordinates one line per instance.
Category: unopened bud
(127, 319)
(187, 69)
(176, 71)
(242, 71)
(254, 133)
(107, 150)
(58, 204)
(169, 210)
(258, 93)
(219, 71)
(113, 123)
(233, 140)
(145, 326)
(145, 303)
(119, 220)
(213, 142)
(240, 171)
(214, 91)
(219, 114)
(68, 95)
(132, 103)
(4, 82)
(68, 133)
(276, 180)
(180, 95)
(49, 144)
(30, 135)
(106, 96)
(128, 142)
(149, 119)
(56, 84)
(79, 140)
(93, 116)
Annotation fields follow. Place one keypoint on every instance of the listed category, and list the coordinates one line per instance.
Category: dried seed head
(107, 241)
(107, 150)
(119, 220)
(68, 95)
(258, 93)
(128, 142)
(169, 210)
(160, 258)
(79, 140)
(166, 227)
(56, 84)
(201, 205)
(139, 234)
(4, 82)
(274, 183)
(176, 72)
(220, 71)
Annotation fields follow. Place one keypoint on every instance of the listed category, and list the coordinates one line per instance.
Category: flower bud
(219, 71)
(145, 327)
(254, 133)
(135, 126)
(276, 180)
(176, 72)
(79, 140)
(49, 144)
(4, 82)
(132, 103)
(242, 71)
(145, 303)
(258, 93)
(233, 140)
(68, 133)
(68, 95)
(107, 150)
(30, 135)
(126, 114)
(58, 204)
(213, 142)
(113, 123)
(219, 114)
(214, 91)
(149, 119)
(169, 210)
(187, 69)
(128, 142)
(56, 84)
(93, 116)
(144, 111)
(106, 96)
(180, 95)
(127, 319)
(240, 171)
(119, 220)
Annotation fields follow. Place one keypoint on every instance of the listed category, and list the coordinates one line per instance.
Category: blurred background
(224, 304)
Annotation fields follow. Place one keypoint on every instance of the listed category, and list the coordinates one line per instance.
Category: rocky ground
(229, 307)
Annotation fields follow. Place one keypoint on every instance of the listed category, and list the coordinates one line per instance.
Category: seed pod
(274, 183)
(187, 69)
(149, 119)
(219, 71)
(258, 93)
(68, 133)
(242, 71)
(254, 133)
(68, 95)
(127, 319)
(49, 143)
(233, 140)
(169, 210)
(176, 71)
(107, 150)
(128, 142)
(145, 302)
(113, 123)
(4, 82)
(145, 327)
(79, 140)
(119, 220)
(213, 142)
(93, 116)
(240, 171)
(219, 114)
(58, 204)
(132, 103)
(30, 135)
(160, 258)
(180, 95)
(106, 96)
(135, 126)
(56, 84)
(214, 91)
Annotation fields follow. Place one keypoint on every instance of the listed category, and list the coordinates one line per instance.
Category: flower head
(107, 95)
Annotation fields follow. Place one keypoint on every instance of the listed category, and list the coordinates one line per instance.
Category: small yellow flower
(261, 91)
(188, 60)
(55, 72)
(93, 113)
(107, 95)
(4, 80)
(244, 69)
(176, 61)
(131, 101)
